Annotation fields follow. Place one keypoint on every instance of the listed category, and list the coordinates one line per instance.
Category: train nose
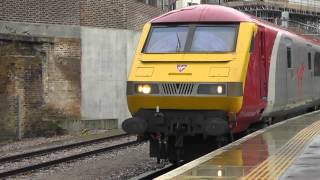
(135, 125)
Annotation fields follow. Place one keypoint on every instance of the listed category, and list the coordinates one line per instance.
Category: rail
(48, 163)
(58, 148)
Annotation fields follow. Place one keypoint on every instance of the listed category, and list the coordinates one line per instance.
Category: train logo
(181, 67)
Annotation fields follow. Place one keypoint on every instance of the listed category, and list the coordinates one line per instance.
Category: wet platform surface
(282, 151)
(307, 164)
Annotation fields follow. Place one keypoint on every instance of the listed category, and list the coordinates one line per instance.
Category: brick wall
(20, 77)
(9, 115)
(65, 12)
(140, 13)
(8, 109)
(123, 14)
(104, 13)
(45, 76)
(62, 84)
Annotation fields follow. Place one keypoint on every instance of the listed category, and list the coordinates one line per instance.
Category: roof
(203, 13)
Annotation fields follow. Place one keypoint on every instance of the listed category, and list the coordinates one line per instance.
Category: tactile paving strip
(275, 165)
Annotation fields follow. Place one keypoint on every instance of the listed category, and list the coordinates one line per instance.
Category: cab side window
(309, 61)
(252, 43)
(317, 64)
(289, 57)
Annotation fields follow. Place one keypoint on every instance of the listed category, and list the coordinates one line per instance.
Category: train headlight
(141, 88)
(212, 89)
(145, 89)
(220, 89)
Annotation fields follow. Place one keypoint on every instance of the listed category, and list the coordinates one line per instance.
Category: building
(301, 16)
(185, 3)
(163, 4)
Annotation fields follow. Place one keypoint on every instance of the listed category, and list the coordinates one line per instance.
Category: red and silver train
(204, 73)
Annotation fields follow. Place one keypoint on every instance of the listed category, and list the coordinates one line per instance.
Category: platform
(286, 150)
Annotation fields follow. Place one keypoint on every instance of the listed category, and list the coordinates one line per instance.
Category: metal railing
(304, 28)
(305, 7)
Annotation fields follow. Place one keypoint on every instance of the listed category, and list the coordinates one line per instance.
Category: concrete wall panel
(106, 57)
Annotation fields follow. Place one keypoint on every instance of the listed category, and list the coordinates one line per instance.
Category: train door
(291, 76)
(263, 64)
(281, 73)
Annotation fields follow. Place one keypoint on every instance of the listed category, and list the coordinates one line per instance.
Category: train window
(192, 39)
(317, 64)
(214, 39)
(167, 39)
(309, 61)
(289, 57)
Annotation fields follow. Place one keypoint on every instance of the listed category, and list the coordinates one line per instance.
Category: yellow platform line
(275, 165)
(290, 148)
(207, 177)
(269, 161)
(283, 156)
(275, 162)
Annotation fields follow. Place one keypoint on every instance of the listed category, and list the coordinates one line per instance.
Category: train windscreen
(192, 39)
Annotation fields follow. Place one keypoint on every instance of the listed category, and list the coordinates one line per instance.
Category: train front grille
(177, 88)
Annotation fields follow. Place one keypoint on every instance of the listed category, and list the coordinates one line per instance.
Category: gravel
(63, 153)
(10, 148)
(32, 144)
(115, 165)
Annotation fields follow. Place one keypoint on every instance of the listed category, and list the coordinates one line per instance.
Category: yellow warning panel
(144, 71)
(218, 72)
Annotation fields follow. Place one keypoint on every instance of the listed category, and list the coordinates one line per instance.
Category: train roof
(215, 13)
(203, 13)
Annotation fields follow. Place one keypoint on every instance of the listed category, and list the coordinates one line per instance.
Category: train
(205, 73)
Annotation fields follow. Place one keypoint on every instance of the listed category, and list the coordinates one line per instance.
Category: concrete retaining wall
(39, 30)
(106, 57)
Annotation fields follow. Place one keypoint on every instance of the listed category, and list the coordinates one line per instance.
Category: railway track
(55, 161)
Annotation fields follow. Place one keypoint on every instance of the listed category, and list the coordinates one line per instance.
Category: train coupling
(135, 125)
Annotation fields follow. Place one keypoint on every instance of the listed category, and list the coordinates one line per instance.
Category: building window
(309, 61)
(317, 64)
(192, 4)
(153, 2)
(289, 57)
(149, 2)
